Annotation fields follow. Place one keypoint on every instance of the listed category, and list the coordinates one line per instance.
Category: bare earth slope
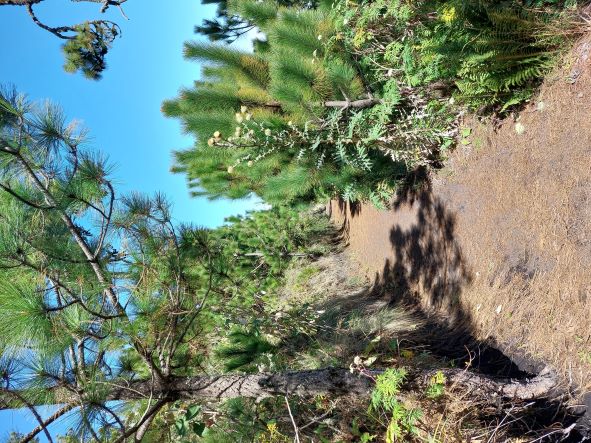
(500, 240)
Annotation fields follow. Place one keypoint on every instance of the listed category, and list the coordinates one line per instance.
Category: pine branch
(33, 410)
(57, 414)
(58, 32)
(23, 199)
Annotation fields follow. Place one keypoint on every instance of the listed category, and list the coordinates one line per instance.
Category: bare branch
(57, 414)
(295, 427)
(58, 32)
(33, 410)
(105, 221)
(149, 414)
(356, 104)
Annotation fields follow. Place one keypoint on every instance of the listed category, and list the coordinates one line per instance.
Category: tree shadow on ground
(424, 277)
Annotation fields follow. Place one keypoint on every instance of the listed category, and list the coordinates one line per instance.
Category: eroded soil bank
(499, 241)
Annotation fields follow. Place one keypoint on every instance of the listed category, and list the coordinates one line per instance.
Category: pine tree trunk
(356, 104)
(331, 381)
(334, 382)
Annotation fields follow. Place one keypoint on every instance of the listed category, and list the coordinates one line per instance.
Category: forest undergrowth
(261, 330)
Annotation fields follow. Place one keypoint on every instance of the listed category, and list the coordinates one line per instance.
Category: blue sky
(122, 111)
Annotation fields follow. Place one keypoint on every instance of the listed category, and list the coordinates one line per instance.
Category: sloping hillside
(499, 240)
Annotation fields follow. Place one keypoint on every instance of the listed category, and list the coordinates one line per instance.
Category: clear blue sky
(122, 111)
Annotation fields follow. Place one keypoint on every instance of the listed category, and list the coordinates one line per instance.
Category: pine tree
(228, 26)
(107, 309)
(86, 44)
(288, 82)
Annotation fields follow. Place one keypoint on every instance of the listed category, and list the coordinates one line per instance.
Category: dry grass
(524, 224)
(502, 241)
(357, 321)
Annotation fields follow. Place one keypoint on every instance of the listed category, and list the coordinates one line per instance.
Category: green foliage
(415, 60)
(86, 51)
(402, 421)
(187, 423)
(243, 348)
(502, 50)
(98, 291)
(436, 386)
(228, 26)
(268, 241)
(387, 389)
(483, 53)
(24, 320)
(283, 122)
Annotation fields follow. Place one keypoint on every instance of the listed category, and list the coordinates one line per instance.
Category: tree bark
(19, 2)
(335, 382)
(543, 385)
(329, 381)
(356, 104)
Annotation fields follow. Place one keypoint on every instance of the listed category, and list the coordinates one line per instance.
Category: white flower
(217, 134)
(239, 117)
(210, 142)
(243, 109)
(267, 132)
(519, 128)
(357, 360)
(250, 163)
(290, 123)
(320, 37)
(230, 169)
(248, 116)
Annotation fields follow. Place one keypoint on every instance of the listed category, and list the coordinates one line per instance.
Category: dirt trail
(500, 239)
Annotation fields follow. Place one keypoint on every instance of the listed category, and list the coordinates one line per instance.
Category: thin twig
(295, 427)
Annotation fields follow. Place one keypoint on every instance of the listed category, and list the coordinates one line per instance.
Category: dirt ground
(500, 239)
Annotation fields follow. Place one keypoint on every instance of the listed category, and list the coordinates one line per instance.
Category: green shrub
(298, 119)
(484, 53)
(348, 100)
(385, 399)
